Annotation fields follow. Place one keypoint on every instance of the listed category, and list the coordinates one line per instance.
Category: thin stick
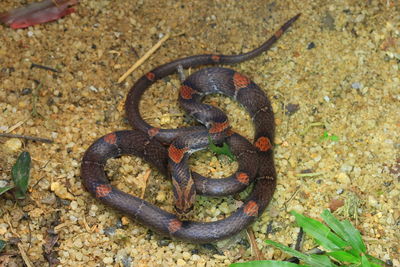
(145, 178)
(24, 256)
(257, 253)
(144, 58)
(34, 65)
(33, 138)
(309, 174)
(18, 124)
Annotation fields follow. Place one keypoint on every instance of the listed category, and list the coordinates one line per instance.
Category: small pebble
(163, 242)
(180, 262)
(339, 191)
(13, 144)
(3, 228)
(356, 85)
(110, 230)
(26, 91)
(311, 45)
(3, 183)
(108, 260)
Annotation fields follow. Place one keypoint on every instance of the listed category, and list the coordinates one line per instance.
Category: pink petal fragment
(37, 13)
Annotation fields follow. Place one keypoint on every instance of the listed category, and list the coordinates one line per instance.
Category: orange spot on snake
(174, 225)
(103, 190)
(229, 132)
(240, 81)
(278, 33)
(151, 76)
(242, 177)
(111, 138)
(176, 154)
(263, 143)
(215, 58)
(218, 127)
(187, 92)
(153, 131)
(251, 208)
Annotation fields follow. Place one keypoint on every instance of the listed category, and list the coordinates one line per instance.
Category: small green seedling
(20, 175)
(2, 244)
(329, 137)
(340, 239)
(225, 150)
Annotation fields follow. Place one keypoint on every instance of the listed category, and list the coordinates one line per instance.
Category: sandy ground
(335, 71)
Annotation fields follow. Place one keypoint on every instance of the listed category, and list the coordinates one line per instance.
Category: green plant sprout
(2, 244)
(224, 150)
(20, 175)
(329, 137)
(342, 242)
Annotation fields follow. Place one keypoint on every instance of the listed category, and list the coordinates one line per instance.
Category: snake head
(184, 196)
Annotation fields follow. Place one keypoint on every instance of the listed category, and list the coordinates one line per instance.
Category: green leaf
(355, 237)
(346, 231)
(313, 260)
(288, 250)
(344, 256)
(2, 244)
(266, 264)
(322, 234)
(225, 150)
(320, 260)
(334, 138)
(364, 261)
(325, 136)
(374, 261)
(20, 174)
(5, 189)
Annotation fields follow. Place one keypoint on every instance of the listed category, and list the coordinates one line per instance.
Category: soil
(333, 79)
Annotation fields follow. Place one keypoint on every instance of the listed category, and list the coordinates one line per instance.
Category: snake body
(255, 160)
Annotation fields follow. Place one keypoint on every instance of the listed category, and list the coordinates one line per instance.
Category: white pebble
(108, 260)
(13, 144)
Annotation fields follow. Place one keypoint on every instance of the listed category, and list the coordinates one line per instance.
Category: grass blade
(320, 232)
(20, 174)
(344, 256)
(364, 261)
(266, 264)
(345, 230)
(355, 239)
(5, 189)
(374, 261)
(313, 260)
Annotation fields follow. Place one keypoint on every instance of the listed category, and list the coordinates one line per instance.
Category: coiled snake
(255, 160)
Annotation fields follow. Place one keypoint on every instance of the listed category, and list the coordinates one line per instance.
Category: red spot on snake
(229, 132)
(251, 208)
(174, 225)
(153, 131)
(278, 33)
(187, 92)
(151, 76)
(176, 154)
(103, 190)
(215, 58)
(263, 143)
(218, 127)
(111, 138)
(242, 177)
(240, 81)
